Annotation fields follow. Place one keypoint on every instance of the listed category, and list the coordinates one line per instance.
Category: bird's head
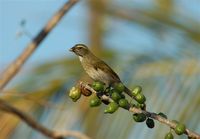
(80, 50)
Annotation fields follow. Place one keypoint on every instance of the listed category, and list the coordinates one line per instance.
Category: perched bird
(97, 69)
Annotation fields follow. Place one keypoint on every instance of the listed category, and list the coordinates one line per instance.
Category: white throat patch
(80, 58)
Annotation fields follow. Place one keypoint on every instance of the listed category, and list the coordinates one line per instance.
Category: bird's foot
(99, 94)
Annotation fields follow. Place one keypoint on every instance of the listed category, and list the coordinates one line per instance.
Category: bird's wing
(100, 65)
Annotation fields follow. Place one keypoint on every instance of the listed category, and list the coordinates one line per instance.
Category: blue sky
(36, 14)
(71, 30)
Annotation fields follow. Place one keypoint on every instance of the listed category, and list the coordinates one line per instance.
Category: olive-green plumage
(97, 69)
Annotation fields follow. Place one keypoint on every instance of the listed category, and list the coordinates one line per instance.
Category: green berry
(162, 115)
(115, 96)
(123, 103)
(95, 101)
(111, 108)
(119, 87)
(140, 98)
(75, 94)
(179, 129)
(137, 90)
(139, 117)
(169, 136)
(142, 106)
(150, 123)
(132, 104)
(98, 86)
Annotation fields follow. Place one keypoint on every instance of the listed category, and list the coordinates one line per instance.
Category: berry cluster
(118, 99)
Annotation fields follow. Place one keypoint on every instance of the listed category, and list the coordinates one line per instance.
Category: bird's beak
(71, 49)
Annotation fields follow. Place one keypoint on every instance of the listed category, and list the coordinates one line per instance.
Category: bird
(96, 68)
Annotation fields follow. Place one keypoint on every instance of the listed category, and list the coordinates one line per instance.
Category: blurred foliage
(171, 83)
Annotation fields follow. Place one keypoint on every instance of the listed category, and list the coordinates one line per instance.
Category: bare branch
(152, 115)
(14, 67)
(37, 126)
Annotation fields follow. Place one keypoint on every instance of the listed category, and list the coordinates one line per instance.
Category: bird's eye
(79, 48)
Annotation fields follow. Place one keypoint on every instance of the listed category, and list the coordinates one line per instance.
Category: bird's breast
(96, 74)
(80, 58)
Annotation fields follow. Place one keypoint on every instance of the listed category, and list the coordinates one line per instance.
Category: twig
(14, 67)
(37, 126)
(152, 115)
(25, 96)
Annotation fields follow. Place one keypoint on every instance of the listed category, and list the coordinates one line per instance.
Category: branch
(37, 126)
(14, 67)
(152, 115)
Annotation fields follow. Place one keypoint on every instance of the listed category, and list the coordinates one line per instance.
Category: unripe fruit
(98, 86)
(123, 103)
(169, 136)
(115, 96)
(111, 108)
(95, 101)
(150, 123)
(132, 104)
(75, 94)
(140, 98)
(179, 129)
(137, 90)
(142, 106)
(139, 117)
(119, 87)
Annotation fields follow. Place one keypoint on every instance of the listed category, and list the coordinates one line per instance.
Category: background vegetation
(155, 44)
